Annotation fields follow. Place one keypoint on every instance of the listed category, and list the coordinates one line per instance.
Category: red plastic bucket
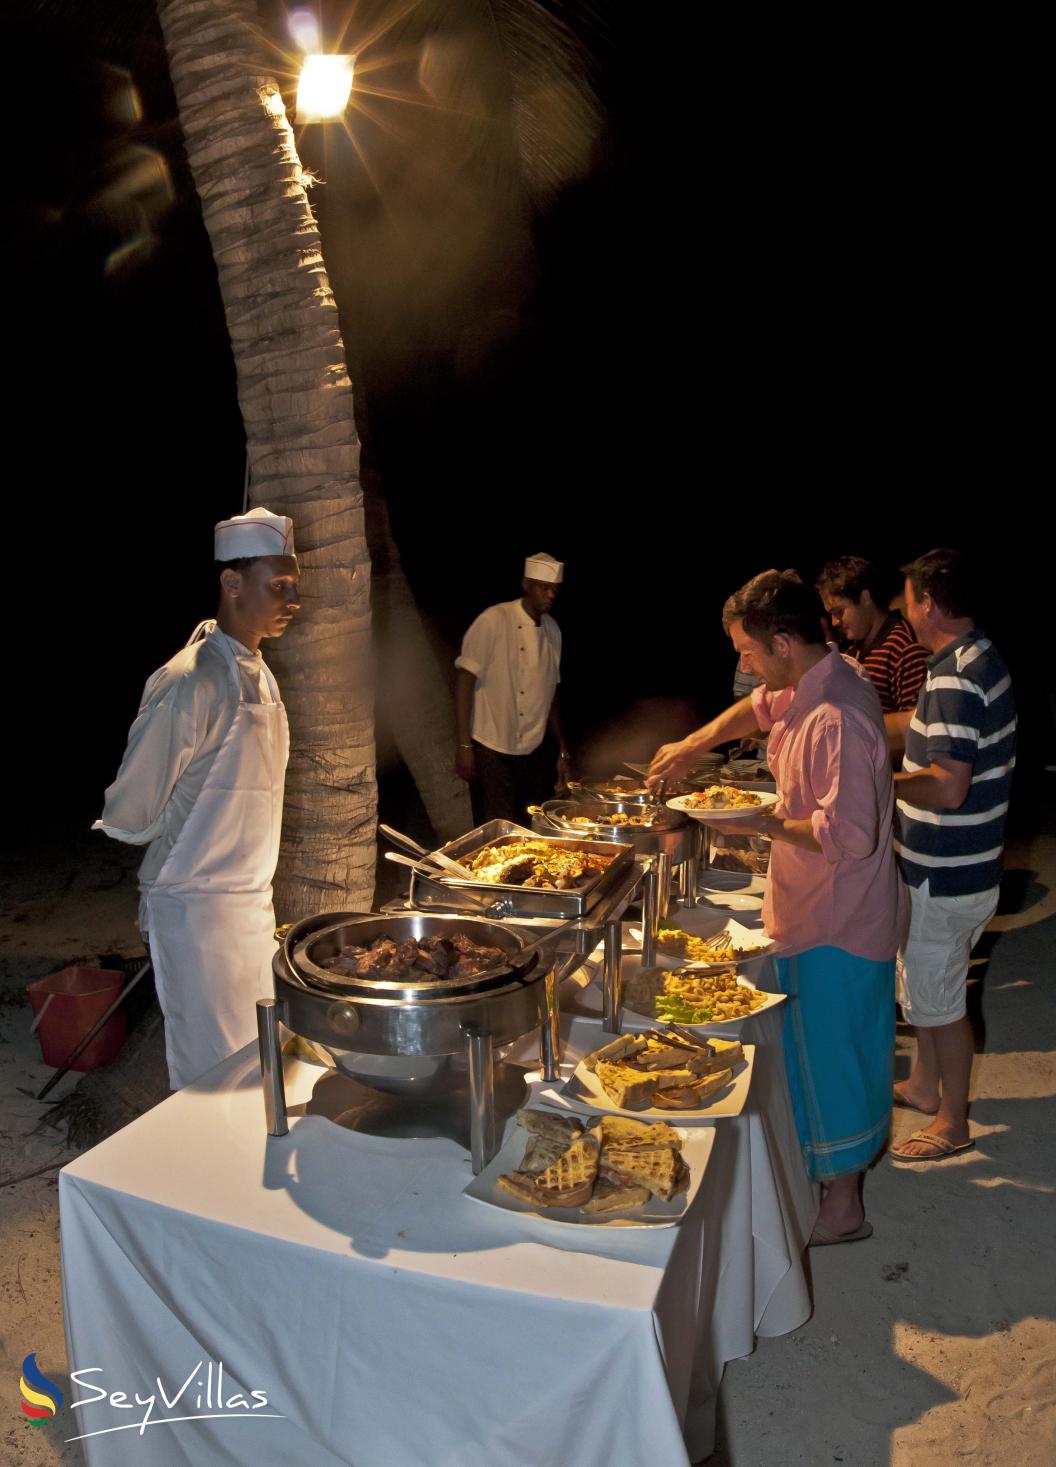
(79, 998)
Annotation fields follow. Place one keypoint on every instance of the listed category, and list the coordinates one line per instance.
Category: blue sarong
(839, 1034)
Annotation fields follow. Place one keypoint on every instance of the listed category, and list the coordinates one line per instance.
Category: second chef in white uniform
(506, 699)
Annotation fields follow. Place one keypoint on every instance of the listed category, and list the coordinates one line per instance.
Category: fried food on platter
(721, 797)
(717, 949)
(688, 997)
(536, 863)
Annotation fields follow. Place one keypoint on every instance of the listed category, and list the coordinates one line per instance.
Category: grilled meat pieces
(444, 958)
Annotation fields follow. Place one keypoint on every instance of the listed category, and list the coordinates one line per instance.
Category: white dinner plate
(656, 1213)
(710, 817)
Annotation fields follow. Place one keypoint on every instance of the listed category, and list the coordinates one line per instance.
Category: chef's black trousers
(506, 784)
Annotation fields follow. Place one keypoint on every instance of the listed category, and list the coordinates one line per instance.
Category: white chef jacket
(517, 668)
(184, 716)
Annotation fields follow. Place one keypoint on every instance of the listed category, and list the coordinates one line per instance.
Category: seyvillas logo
(41, 1397)
(203, 1396)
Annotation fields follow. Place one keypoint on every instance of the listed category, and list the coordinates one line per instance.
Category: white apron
(211, 921)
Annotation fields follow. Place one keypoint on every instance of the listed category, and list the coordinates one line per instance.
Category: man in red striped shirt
(881, 640)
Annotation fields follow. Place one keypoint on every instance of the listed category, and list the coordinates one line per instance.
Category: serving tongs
(659, 791)
(437, 858)
(582, 793)
(675, 1034)
(486, 906)
(528, 951)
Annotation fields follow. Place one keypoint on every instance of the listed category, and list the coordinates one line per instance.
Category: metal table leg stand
(664, 872)
(481, 1057)
(688, 870)
(612, 980)
(550, 1030)
(650, 915)
(268, 1014)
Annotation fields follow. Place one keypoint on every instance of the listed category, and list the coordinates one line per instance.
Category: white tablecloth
(389, 1321)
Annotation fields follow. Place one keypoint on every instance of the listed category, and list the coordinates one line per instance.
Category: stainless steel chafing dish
(622, 787)
(667, 832)
(487, 898)
(361, 1020)
(671, 840)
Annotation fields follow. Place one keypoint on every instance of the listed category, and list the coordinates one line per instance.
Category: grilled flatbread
(668, 1079)
(549, 1136)
(687, 1097)
(615, 1197)
(657, 1167)
(622, 1048)
(725, 1053)
(541, 1152)
(663, 1057)
(569, 1181)
(547, 1123)
(519, 1185)
(626, 1134)
(629, 1089)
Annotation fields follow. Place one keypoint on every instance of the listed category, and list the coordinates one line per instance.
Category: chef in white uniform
(201, 786)
(506, 699)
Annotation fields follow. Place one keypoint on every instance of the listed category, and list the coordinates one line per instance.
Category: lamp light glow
(324, 87)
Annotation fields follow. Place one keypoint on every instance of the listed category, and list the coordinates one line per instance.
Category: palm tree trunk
(296, 402)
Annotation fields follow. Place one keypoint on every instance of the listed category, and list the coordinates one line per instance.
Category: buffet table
(384, 1319)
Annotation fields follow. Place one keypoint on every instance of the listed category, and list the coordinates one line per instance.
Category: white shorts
(933, 963)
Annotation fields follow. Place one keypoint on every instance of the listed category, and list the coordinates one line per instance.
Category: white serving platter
(581, 1092)
(632, 1019)
(652, 1214)
(750, 942)
(682, 804)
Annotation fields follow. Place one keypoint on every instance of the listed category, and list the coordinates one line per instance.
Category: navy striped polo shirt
(965, 712)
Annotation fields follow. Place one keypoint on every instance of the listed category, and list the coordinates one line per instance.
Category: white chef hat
(257, 533)
(543, 567)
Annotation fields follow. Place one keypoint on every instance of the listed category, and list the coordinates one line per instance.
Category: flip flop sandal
(904, 1104)
(822, 1238)
(943, 1149)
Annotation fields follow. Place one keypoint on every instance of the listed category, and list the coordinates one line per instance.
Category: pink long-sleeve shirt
(829, 756)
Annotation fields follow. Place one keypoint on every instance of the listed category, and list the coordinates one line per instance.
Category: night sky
(779, 317)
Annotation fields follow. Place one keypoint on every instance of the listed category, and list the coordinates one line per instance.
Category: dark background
(785, 314)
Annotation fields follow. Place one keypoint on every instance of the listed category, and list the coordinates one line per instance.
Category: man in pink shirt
(832, 900)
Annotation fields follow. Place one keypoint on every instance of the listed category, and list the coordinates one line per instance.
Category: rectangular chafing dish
(449, 894)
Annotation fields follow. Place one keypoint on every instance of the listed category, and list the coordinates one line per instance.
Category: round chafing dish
(672, 840)
(669, 833)
(431, 1038)
(620, 787)
(624, 789)
(416, 1015)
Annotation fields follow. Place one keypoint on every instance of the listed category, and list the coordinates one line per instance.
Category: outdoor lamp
(324, 87)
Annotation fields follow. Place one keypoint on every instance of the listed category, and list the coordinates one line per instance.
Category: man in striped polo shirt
(952, 795)
(852, 593)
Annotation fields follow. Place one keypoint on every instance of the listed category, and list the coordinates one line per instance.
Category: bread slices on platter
(607, 1164)
(665, 1070)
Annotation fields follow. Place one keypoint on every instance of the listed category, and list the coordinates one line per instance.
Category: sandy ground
(933, 1341)
(57, 907)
